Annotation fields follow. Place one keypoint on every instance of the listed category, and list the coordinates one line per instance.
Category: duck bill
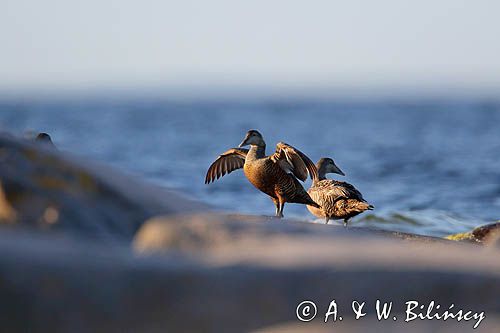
(336, 169)
(243, 143)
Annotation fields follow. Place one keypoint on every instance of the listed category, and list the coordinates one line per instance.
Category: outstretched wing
(226, 163)
(293, 160)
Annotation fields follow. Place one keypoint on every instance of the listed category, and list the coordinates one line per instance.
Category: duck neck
(321, 172)
(256, 152)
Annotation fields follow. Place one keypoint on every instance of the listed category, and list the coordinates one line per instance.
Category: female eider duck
(44, 138)
(276, 175)
(338, 200)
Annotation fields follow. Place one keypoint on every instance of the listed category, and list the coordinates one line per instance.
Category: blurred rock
(47, 189)
(232, 238)
(206, 231)
(324, 263)
(487, 233)
(7, 213)
(52, 284)
(372, 325)
(483, 234)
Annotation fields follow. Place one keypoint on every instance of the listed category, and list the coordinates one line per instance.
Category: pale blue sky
(54, 44)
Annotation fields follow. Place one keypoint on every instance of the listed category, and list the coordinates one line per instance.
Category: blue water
(428, 167)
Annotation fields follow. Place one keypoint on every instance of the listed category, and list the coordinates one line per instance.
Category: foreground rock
(488, 234)
(220, 284)
(43, 188)
(203, 232)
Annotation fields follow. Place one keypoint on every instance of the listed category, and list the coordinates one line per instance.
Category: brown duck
(276, 175)
(338, 200)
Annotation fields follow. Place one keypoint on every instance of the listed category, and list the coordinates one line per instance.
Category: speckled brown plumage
(276, 175)
(338, 200)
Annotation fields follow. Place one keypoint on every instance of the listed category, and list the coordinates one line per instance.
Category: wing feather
(226, 163)
(293, 160)
(336, 189)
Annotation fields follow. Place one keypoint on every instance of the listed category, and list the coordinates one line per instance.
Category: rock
(494, 241)
(372, 324)
(324, 263)
(205, 231)
(483, 234)
(487, 233)
(50, 283)
(50, 190)
(462, 237)
(7, 212)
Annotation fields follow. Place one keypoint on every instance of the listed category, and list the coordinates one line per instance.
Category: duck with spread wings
(276, 175)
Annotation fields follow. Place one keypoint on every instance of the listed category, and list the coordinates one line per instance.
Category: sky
(296, 45)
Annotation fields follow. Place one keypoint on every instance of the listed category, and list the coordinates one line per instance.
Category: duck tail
(364, 206)
(314, 204)
(359, 206)
(311, 202)
(306, 199)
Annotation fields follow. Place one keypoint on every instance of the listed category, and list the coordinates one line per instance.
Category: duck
(276, 175)
(338, 200)
(45, 139)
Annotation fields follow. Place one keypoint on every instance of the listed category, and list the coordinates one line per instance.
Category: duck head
(253, 138)
(327, 165)
(44, 138)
